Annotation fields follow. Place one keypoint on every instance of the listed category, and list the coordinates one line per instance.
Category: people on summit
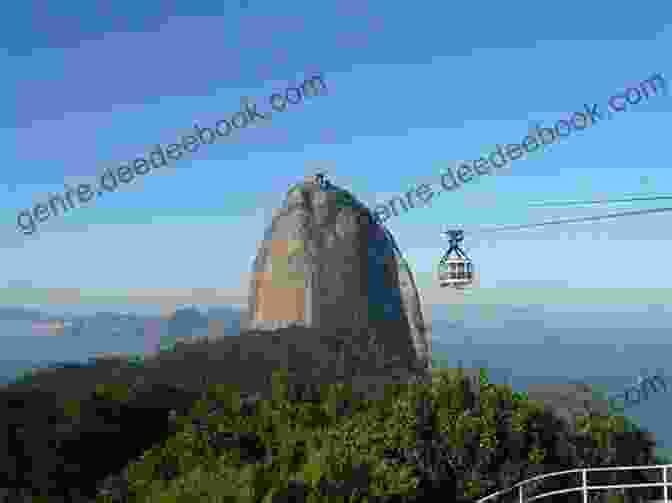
(321, 180)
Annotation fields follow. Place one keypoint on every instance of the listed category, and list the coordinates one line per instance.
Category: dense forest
(108, 433)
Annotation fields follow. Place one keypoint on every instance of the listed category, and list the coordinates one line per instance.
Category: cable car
(458, 271)
(455, 271)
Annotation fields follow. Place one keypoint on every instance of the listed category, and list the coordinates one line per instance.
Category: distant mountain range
(24, 344)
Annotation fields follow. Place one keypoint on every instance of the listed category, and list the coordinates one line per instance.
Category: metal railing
(520, 486)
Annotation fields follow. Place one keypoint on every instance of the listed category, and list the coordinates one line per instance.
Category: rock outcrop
(325, 263)
(569, 401)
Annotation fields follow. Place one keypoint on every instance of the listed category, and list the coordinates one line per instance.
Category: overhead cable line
(598, 201)
(571, 220)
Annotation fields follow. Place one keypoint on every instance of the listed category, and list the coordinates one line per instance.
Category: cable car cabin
(456, 271)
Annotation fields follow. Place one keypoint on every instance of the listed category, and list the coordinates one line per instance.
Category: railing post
(521, 493)
(665, 484)
(585, 485)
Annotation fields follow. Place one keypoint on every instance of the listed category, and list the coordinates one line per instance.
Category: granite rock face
(325, 262)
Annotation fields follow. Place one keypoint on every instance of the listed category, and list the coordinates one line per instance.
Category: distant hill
(231, 316)
(102, 332)
(20, 313)
(10, 369)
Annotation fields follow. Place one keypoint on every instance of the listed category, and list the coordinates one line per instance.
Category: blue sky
(412, 90)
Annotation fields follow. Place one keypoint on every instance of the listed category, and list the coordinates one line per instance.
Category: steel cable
(571, 220)
(598, 201)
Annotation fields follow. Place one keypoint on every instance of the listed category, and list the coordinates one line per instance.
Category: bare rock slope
(325, 263)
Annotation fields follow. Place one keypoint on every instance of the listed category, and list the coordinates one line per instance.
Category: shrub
(415, 442)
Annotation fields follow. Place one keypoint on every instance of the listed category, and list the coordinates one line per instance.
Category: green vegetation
(663, 456)
(417, 441)
(167, 343)
(136, 360)
(296, 186)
